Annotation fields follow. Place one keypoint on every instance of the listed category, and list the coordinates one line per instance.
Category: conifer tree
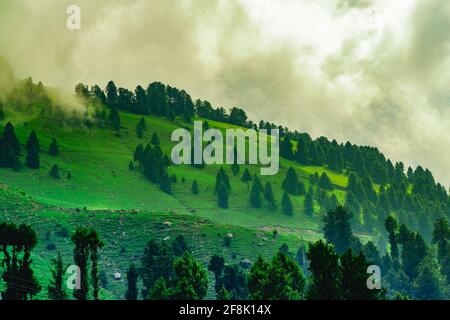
(222, 196)
(222, 178)
(246, 177)
(139, 131)
(308, 204)
(9, 138)
(195, 187)
(131, 165)
(33, 142)
(166, 184)
(292, 184)
(155, 139)
(32, 159)
(255, 193)
(270, 197)
(132, 277)
(54, 171)
(286, 204)
(54, 148)
(114, 119)
(56, 287)
(325, 182)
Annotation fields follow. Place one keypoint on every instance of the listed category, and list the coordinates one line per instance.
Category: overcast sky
(375, 72)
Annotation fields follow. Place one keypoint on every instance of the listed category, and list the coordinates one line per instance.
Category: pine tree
(325, 272)
(159, 291)
(132, 277)
(270, 197)
(222, 196)
(190, 281)
(255, 193)
(246, 177)
(428, 283)
(54, 148)
(114, 119)
(354, 278)
(292, 184)
(337, 229)
(166, 184)
(142, 124)
(325, 182)
(56, 287)
(9, 138)
(32, 159)
(308, 204)
(286, 204)
(33, 142)
(222, 178)
(139, 131)
(195, 187)
(131, 165)
(155, 139)
(54, 171)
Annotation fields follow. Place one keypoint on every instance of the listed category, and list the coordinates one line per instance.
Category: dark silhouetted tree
(132, 277)
(53, 150)
(56, 287)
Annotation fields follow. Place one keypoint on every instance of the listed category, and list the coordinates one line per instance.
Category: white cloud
(369, 71)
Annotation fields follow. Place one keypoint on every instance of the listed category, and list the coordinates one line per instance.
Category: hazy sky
(375, 72)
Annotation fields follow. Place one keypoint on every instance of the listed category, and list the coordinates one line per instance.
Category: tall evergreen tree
(354, 278)
(33, 142)
(16, 245)
(308, 204)
(114, 119)
(132, 277)
(32, 159)
(255, 193)
(190, 281)
(286, 204)
(222, 196)
(54, 148)
(194, 188)
(325, 272)
(155, 139)
(292, 183)
(337, 229)
(9, 138)
(166, 184)
(54, 171)
(56, 287)
(325, 182)
(246, 177)
(269, 196)
(111, 95)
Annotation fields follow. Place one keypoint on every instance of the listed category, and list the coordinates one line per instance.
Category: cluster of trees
(10, 149)
(153, 163)
(169, 272)
(402, 190)
(157, 99)
(16, 245)
(411, 268)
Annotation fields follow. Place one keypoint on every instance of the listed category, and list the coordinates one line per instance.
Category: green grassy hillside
(127, 210)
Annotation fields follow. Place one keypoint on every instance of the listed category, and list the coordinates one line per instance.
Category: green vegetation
(85, 188)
